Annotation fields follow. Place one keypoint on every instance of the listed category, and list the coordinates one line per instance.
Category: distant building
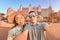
(44, 11)
(10, 11)
(2, 16)
(58, 13)
(47, 11)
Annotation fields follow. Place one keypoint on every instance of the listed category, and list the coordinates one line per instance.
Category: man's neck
(34, 23)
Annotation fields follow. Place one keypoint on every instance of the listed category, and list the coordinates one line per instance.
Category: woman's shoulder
(13, 29)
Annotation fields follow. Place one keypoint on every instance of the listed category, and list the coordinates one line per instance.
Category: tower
(30, 8)
(39, 8)
(21, 8)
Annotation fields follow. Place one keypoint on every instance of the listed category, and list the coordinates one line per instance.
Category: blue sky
(14, 4)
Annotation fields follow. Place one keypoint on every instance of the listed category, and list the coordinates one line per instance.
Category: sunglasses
(32, 16)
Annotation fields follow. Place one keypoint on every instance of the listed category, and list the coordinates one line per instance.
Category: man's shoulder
(42, 24)
(27, 27)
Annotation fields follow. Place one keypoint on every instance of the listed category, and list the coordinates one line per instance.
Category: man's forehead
(33, 13)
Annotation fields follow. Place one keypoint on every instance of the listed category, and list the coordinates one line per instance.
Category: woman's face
(20, 20)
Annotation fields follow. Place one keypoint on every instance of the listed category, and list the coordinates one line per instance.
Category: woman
(18, 28)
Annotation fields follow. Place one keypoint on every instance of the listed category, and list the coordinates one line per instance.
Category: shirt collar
(34, 25)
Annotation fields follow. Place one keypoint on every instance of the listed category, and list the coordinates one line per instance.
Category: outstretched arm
(22, 36)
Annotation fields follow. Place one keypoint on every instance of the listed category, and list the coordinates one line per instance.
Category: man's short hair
(31, 12)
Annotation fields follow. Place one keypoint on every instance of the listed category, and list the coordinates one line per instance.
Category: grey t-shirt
(36, 32)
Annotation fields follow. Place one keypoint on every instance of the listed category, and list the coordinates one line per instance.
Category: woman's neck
(20, 26)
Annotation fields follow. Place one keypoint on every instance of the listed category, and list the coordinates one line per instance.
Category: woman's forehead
(19, 17)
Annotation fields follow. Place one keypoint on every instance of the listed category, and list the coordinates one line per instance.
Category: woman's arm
(9, 38)
(10, 35)
(14, 32)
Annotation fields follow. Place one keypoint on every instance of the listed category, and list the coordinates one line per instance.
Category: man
(35, 29)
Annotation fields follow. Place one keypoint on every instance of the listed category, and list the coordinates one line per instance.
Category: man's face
(20, 20)
(33, 17)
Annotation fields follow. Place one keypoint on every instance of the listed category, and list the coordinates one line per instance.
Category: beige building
(44, 11)
(1, 16)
